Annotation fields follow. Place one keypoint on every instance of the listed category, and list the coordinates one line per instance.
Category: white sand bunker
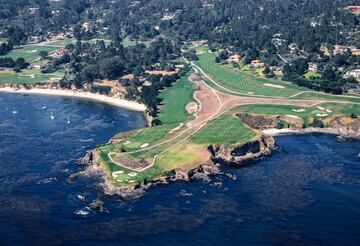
(250, 93)
(301, 110)
(127, 142)
(117, 173)
(131, 181)
(321, 115)
(132, 174)
(192, 108)
(274, 86)
(329, 111)
(321, 108)
(31, 51)
(144, 145)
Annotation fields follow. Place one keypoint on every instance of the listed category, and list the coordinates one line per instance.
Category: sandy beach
(83, 95)
(279, 132)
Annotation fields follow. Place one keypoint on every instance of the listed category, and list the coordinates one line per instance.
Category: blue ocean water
(307, 194)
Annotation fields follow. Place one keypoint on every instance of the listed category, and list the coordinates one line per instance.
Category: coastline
(122, 103)
(279, 132)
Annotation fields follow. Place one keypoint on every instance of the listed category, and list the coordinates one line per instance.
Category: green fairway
(175, 99)
(243, 81)
(326, 109)
(128, 43)
(30, 52)
(227, 129)
(323, 96)
(28, 76)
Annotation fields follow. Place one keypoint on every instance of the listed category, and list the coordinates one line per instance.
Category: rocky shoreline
(239, 155)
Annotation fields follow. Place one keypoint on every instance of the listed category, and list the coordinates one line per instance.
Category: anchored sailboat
(14, 111)
(68, 121)
(52, 116)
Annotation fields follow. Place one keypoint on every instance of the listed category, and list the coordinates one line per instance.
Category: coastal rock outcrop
(241, 155)
(349, 128)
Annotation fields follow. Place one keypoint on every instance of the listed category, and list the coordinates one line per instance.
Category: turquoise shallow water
(307, 194)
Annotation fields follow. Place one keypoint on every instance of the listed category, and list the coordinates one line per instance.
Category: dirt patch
(259, 122)
(262, 122)
(192, 108)
(129, 76)
(161, 72)
(131, 163)
(292, 119)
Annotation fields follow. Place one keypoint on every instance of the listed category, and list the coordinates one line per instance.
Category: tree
(43, 54)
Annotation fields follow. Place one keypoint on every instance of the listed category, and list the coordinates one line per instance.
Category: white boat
(68, 121)
(52, 116)
(44, 107)
(14, 111)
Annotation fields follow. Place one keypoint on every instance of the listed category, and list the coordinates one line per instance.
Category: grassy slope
(242, 81)
(337, 109)
(227, 129)
(175, 99)
(28, 76)
(30, 52)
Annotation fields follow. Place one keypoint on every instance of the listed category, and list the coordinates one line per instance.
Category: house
(234, 58)
(313, 67)
(257, 64)
(353, 73)
(339, 49)
(355, 52)
(59, 53)
(355, 90)
(353, 9)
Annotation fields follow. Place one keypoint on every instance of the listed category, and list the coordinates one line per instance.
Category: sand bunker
(274, 86)
(192, 108)
(144, 145)
(321, 115)
(116, 174)
(132, 174)
(250, 93)
(301, 110)
(321, 108)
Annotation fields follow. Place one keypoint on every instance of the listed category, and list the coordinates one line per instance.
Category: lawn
(175, 98)
(311, 74)
(128, 43)
(28, 76)
(30, 52)
(227, 129)
(242, 81)
(323, 96)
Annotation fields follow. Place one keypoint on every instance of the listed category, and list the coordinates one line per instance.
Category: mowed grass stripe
(241, 81)
(227, 129)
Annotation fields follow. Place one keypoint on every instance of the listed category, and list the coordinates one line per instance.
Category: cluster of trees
(5, 48)
(92, 62)
(252, 28)
(17, 65)
(330, 77)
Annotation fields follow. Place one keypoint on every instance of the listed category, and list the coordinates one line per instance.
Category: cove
(308, 193)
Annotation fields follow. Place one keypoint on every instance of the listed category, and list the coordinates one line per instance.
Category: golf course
(181, 141)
